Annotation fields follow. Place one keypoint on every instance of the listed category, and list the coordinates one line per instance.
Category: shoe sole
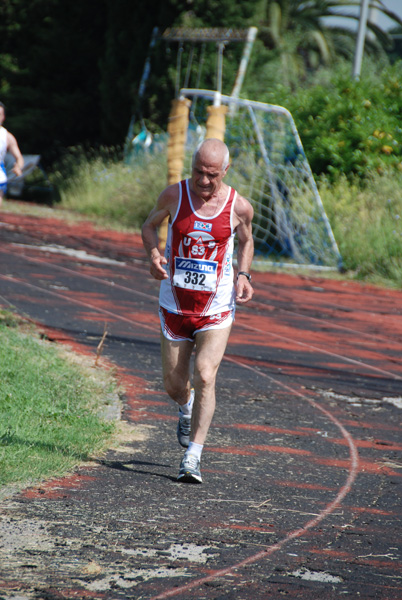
(188, 478)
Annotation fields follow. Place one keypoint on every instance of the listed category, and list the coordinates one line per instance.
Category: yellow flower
(386, 149)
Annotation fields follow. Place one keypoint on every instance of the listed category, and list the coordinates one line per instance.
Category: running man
(8, 143)
(198, 293)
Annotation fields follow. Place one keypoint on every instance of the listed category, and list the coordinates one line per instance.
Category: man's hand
(13, 148)
(17, 170)
(157, 271)
(244, 290)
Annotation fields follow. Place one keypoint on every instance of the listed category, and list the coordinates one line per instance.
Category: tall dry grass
(110, 190)
(367, 221)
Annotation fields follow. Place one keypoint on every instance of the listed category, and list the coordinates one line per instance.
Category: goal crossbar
(284, 191)
(209, 34)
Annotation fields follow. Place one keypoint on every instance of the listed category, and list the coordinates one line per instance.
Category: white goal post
(269, 167)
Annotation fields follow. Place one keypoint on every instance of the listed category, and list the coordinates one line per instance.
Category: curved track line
(269, 550)
(296, 533)
(315, 348)
(149, 296)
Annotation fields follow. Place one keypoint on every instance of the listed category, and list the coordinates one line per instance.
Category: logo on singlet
(227, 264)
(200, 266)
(201, 226)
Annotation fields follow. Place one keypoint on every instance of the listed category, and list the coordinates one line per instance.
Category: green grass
(49, 407)
(367, 221)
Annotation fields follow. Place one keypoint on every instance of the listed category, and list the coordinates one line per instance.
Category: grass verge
(50, 406)
(366, 217)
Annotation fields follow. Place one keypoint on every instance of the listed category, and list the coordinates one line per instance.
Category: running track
(302, 471)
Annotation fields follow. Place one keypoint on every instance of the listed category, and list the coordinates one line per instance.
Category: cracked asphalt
(302, 469)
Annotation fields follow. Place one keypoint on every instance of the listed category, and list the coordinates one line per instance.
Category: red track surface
(311, 380)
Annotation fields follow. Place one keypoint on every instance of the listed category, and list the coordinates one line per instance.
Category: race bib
(195, 274)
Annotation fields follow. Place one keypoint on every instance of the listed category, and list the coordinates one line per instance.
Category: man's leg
(210, 348)
(176, 368)
(176, 377)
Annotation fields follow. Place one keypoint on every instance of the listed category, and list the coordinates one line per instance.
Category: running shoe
(184, 430)
(190, 470)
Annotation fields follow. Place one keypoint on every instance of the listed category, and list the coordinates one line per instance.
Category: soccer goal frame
(291, 227)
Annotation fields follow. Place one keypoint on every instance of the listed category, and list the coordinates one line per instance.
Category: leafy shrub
(349, 126)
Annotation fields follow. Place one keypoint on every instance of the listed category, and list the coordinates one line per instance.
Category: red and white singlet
(3, 150)
(199, 251)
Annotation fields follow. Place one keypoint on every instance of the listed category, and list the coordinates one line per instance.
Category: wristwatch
(245, 275)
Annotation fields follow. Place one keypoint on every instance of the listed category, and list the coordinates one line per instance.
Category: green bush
(349, 126)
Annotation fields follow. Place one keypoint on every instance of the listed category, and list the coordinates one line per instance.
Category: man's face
(2, 115)
(207, 176)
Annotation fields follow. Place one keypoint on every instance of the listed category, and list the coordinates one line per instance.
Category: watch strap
(245, 275)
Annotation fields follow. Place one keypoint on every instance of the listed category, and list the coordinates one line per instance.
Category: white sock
(186, 409)
(195, 449)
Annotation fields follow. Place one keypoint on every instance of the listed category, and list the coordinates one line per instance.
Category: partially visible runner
(8, 143)
(198, 293)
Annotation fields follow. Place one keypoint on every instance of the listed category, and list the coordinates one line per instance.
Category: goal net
(270, 169)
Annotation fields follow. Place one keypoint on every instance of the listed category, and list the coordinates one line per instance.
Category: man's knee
(204, 374)
(175, 387)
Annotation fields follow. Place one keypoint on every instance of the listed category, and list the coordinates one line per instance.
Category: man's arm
(245, 249)
(13, 148)
(165, 207)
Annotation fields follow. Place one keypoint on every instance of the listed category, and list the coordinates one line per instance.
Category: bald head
(212, 150)
(210, 165)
